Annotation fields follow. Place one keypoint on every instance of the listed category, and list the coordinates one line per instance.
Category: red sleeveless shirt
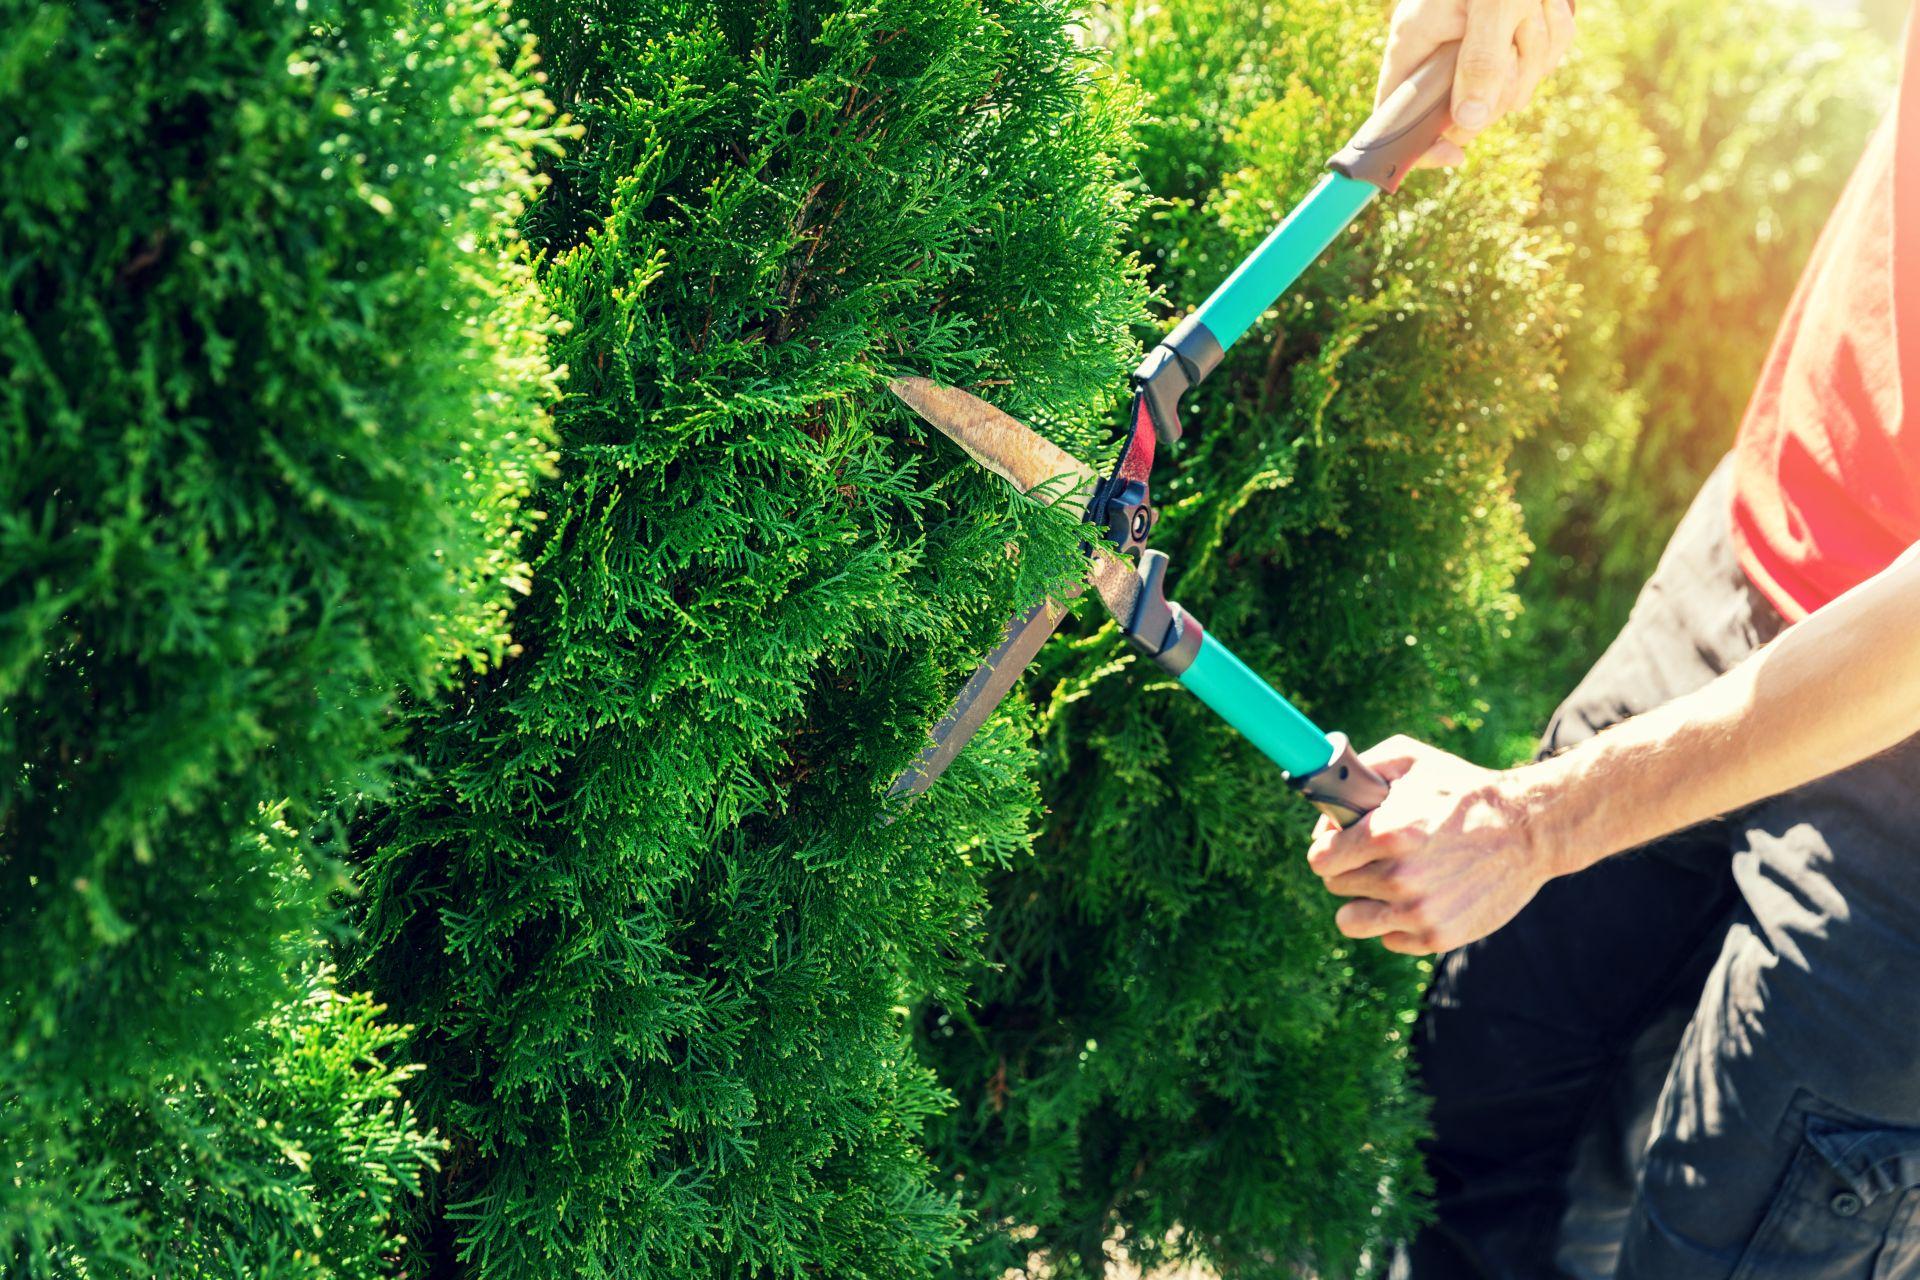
(1827, 464)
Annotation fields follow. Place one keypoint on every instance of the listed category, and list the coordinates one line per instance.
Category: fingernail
(1471, 114)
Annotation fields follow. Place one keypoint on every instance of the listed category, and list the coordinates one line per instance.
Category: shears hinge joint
(1126, 514)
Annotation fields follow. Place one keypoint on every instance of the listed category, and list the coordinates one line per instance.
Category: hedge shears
(1127, 576)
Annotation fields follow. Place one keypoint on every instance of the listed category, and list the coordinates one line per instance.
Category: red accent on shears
(1137, 462)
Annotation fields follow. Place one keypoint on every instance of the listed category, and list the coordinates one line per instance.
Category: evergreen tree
(1177, 1054)
(644, 902)
(1755, 119)
(271, 385)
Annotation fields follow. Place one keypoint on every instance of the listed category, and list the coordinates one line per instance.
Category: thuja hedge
(642, 901)
(1176, 1054)
(272, 379)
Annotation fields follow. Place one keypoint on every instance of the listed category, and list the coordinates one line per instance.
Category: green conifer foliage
(286, 1163)
(1178, 1053)
(272, 378)
(642, 904)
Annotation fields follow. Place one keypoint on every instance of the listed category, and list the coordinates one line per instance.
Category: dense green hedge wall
(1177, 1054)
(643, 904)
(271, 389)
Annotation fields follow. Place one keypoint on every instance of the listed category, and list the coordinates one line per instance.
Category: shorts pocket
(1845, 1210)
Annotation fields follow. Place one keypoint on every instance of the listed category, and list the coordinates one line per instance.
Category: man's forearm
(1839, 687)
(1455, 851)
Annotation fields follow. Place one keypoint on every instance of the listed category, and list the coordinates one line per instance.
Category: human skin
(1456, 850)
(1507, 47)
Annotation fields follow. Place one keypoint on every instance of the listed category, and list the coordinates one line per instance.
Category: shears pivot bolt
(1129, 519)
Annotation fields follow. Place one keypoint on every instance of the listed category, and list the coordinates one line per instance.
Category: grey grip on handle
(1344, 788)
(1402, 128)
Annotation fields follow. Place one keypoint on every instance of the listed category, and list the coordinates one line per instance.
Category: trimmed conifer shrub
(643, 904)
(272, 379)
(1177, 1055)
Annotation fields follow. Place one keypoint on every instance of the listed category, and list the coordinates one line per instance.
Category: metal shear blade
(1049, 474)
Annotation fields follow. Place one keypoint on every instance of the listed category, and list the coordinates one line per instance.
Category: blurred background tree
(1757, 115)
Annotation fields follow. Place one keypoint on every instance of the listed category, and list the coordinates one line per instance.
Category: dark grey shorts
(1701, 1059)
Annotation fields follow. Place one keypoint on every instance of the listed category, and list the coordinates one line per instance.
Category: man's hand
(1447, 858)
(1506, 48)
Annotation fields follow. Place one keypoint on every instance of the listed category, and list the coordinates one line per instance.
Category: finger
(1441, 155)
(1380, 880)
(1405, 51)
(1394, 768)
(1407, 944)
(1318, 846)
(1486, 68)
(1365, 918)
(1346, 851)
(1419, 27)
(1531, 48)
(1395, 757)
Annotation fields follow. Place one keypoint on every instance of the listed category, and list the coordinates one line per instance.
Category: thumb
(1488, 64)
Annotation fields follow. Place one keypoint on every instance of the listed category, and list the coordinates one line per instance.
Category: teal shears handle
(1376, 160)
(1321, 766)
(1284, 735)
(1257, 282)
